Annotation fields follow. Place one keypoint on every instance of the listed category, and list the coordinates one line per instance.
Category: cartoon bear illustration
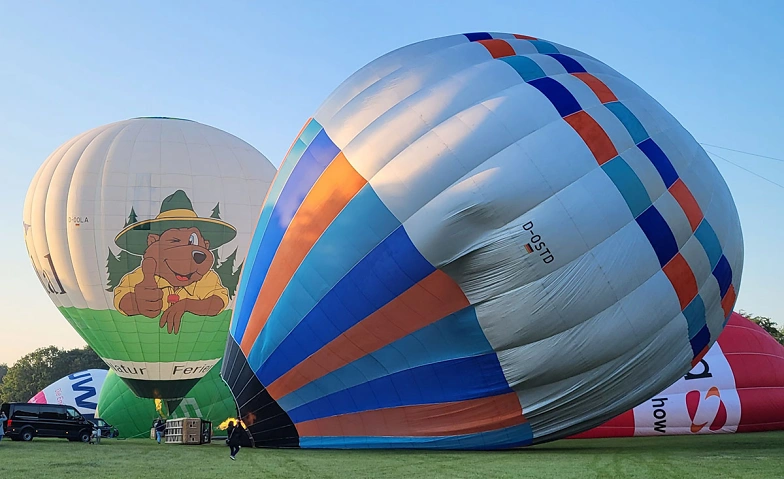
(176, 273)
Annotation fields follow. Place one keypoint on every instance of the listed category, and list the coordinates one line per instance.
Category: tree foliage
(3, 370)
(767, 324)
(42, 367)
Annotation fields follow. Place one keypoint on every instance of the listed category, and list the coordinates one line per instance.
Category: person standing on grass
(96, 436)
(235, 436)
(160, 428)
(3, 417)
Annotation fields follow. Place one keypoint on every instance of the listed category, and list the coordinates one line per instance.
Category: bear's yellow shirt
(209, 285)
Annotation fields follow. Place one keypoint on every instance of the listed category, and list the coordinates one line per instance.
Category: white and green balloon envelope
(138, 231)
(210, 399)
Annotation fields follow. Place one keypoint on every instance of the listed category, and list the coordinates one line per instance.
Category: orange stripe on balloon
(524, 37)
(331, 193)
(683, 196)
(444, 419)
(728, 302)
(699, 356)
(593, 135)
(433, 298)
(602, 91)
(498, 48)
(682, 278)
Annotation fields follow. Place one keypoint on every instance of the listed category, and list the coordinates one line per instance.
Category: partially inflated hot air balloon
(738, 386)
(138, 231)
(209, 399)
(80, 390)
(479, 241)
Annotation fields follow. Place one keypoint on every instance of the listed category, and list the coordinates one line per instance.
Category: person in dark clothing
(235, 437)
(160, 429)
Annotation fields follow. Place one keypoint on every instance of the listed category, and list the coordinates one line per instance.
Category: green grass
(758, 455)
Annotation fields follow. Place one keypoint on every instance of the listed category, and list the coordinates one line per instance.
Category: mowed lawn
(758, 455)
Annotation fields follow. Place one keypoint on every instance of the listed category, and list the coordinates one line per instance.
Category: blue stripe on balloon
(632, 124)
(700, 340)
(544, 47)
(659, 234)
(525, 67)
(312, 163)
(448, 381)
(456, 336)
(361, 226)
(629, 184)
(476, 36)
(570, 64)
(559, 95)
(723, 274)
(710, 242)
(253, 277)
(506, 438)
(695, 315)
(388, 270)
(660, 161)
(310, 132)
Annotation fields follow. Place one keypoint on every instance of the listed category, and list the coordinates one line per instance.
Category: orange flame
(225, 424)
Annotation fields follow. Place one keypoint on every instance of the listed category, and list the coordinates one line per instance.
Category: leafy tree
(767, 324)
(80, 359)
(3, 370)
(30, 374)
(42, 367)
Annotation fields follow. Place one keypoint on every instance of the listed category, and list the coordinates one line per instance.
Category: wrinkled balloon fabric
(480, 241)
(737, 387)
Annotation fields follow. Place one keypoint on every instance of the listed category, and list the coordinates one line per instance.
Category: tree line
(44, 366)
(767, 324)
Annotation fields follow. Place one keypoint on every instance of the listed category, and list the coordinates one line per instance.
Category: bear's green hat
(176, 212)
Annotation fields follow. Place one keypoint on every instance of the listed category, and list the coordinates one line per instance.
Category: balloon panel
(209, 399)
(475, 243)
(738, 386)
(80, 390)
(138, 231)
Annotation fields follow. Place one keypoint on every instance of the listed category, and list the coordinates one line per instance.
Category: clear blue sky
(259, 69)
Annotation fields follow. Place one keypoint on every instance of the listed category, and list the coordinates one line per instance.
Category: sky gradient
(259, 71)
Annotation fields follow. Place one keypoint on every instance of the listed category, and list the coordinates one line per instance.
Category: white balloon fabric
(738, 386)
(138, 231)
(479, 241)
(80, 390)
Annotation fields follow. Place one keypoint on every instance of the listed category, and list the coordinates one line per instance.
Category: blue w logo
(88, 391)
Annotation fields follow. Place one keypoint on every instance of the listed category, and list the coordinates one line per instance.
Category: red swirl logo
(700, 407)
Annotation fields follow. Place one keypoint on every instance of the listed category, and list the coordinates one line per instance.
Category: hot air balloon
(80, 390)
(138, 232)
(480, 241)
(738, 386)
(209, 399)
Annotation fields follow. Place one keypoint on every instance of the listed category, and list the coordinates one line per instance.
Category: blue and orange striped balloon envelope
(480, 241)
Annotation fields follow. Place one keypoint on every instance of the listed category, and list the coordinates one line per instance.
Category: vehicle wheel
(27, 435)
(84, 436)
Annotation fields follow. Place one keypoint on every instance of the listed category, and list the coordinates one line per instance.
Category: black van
(27, 420)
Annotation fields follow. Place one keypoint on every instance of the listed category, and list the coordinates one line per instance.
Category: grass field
(758, 455)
